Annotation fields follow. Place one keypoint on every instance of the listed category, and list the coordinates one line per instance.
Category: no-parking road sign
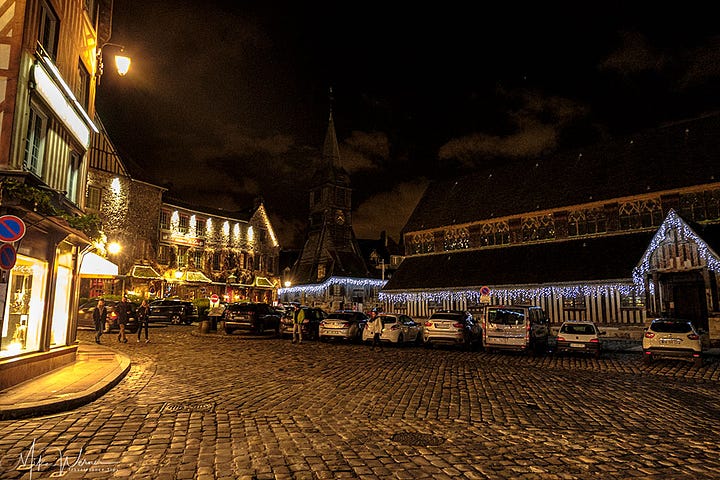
(8, 256)
(12, 228)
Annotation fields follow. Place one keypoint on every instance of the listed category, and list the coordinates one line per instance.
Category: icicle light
(314, 289)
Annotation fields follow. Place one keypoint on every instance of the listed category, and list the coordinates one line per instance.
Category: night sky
(227, 101)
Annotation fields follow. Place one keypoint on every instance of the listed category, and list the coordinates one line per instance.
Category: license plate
(669, 340)
(577, 345)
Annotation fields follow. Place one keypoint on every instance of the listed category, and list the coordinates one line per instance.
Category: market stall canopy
(93, 265)
(263, 282)
(145, 272)
(189, 277)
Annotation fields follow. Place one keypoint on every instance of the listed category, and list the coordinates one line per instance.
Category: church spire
(331, 151)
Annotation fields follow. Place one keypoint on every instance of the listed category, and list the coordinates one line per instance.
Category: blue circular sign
(7, 257)
(12, 228)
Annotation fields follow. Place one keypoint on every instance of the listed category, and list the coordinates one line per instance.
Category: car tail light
(346, 325)
(594, 340)
(560, 339)
(527, 331)
(458, 325)
(322, 324)
(693, 336)
(649, 335)
(695, 354)
(428, 324)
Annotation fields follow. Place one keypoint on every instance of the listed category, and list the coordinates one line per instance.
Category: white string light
(318, 288)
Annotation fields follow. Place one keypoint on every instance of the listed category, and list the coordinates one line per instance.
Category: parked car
(311, 325)
(672, 337)
(579, 336)
(515, 327)
(251, 317)
(345, 325)
(452, 327)
(397, 329)
(172, 310)
(85, 315)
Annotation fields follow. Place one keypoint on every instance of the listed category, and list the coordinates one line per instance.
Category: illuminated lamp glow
(59, 103)
(115, 186)
(251, 234)
(226, 228)
(122, 63)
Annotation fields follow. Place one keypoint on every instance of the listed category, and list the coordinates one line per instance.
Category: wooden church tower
(330, 249)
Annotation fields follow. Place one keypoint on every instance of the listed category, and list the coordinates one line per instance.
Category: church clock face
(339, 217)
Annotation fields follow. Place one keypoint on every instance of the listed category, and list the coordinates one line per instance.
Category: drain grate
(417, 439)
(169, 407)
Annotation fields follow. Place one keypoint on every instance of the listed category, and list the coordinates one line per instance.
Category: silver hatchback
(452, 327)
(344, 325)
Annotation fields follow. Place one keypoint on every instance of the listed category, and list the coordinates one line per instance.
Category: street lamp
(122, 62)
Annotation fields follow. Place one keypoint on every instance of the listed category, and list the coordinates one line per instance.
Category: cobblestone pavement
(243, 407)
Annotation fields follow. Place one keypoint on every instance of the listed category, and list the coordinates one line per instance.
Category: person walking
(377, 328)
(298, 319)
(99, 317)
(121, 309)
(142, 314)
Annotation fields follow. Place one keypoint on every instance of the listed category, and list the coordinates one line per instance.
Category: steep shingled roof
(610, 257)
(678, 155)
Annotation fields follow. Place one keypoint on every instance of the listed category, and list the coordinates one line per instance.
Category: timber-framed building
(617, 233)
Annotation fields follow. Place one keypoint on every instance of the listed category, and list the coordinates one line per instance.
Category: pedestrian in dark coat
(99, 318)
(142, 314)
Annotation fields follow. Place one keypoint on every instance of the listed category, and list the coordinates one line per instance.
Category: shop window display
(23, 313)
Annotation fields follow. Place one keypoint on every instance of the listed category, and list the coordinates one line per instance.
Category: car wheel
(229, 331)
(401, 340)
(698, 362)
(175, 319)
(260, 328)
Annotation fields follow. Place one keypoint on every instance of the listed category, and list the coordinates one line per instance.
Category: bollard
(204, 326)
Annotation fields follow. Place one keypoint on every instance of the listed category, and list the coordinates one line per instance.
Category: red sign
(7, 257)
(484, 290)
(12, 228)
(214, 298)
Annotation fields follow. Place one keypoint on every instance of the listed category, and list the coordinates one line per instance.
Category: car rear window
(242, 308)
(446, 316)
(386, 320)
(665, 326)
(340, 316)
(578, 329)
(506, 316)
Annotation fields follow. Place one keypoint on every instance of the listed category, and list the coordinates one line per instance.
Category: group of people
(122, 310)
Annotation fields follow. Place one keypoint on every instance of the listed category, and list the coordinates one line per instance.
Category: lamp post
(122, 62)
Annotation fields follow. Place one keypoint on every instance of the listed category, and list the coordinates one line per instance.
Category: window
(200, 228)
(94, 198)
(575, 302)
(182, 257)
(183, 225)
(164, 220)
(23, 316)
(586, 222)
(164, 255)
(632, 300)
(494, 234)
(73, 177)
(35, 142)
(48, 29)
(83, 91)
(423, 243)
(456, 239)
(541, 227)
(197, 258)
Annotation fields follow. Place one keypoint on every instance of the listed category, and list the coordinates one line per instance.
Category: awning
(145, 272)
(187, 277)
(263, 282)
(93, 265)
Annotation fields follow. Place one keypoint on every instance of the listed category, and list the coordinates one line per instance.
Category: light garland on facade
(673, 222)
(318, 288)
(513, 294)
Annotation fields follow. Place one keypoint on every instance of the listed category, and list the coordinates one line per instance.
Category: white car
(344, 325)
(397, 329)
(672, 337)
(579, 336)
